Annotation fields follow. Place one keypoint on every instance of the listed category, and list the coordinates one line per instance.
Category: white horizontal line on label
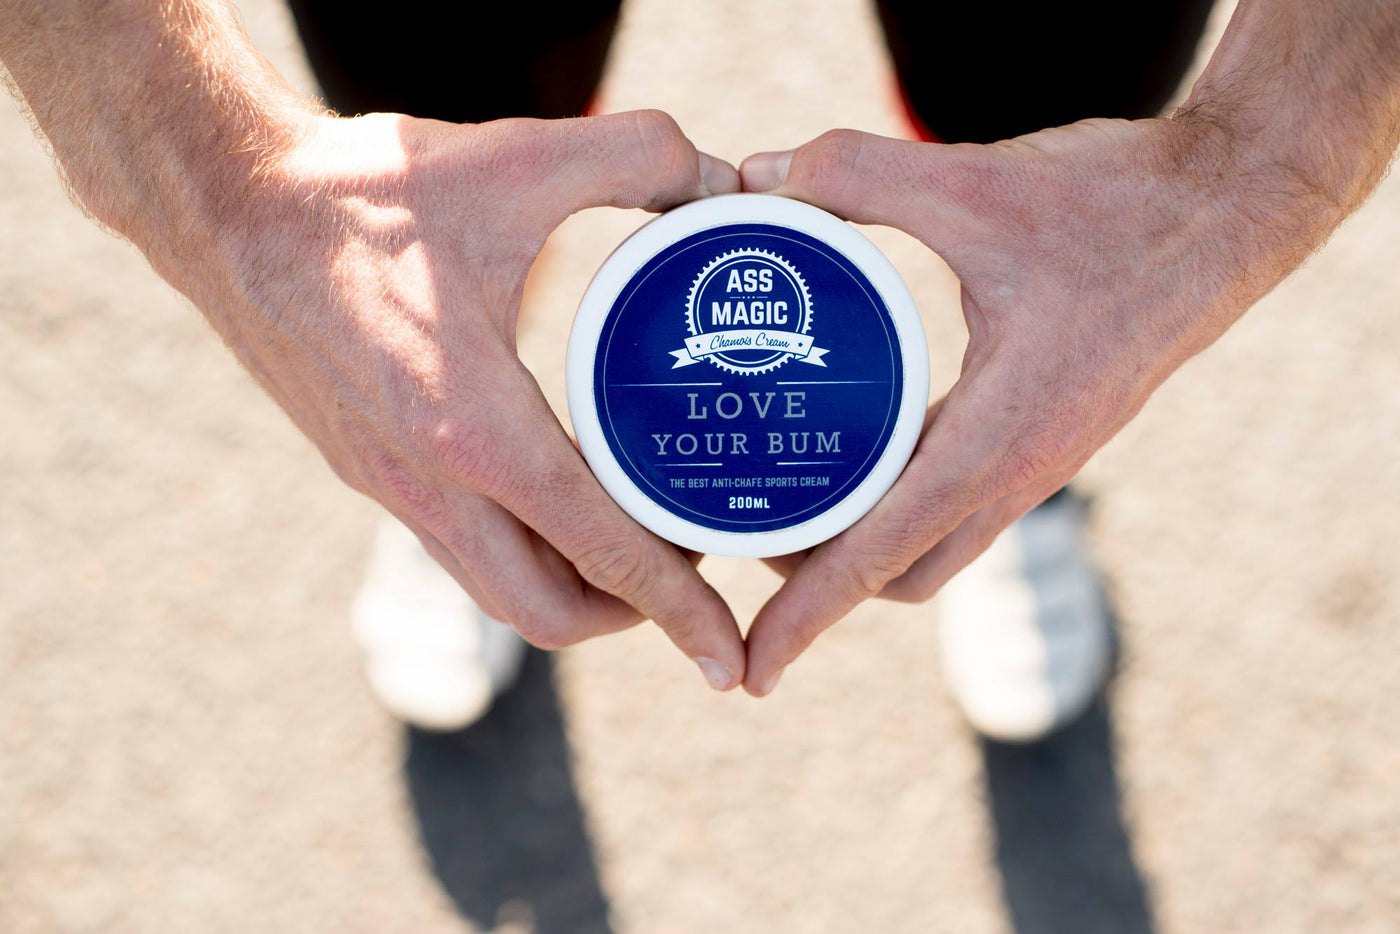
(668, 384)
(829, 382)
(803, 463)
(695, 464)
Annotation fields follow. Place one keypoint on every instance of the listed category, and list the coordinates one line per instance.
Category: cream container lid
(747, 375)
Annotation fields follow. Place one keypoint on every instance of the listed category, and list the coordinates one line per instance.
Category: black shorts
(970, 70)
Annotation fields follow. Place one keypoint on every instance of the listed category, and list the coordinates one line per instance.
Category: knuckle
(880, 565)
(662, 149)
(512, 150)
(467, 452)
(830, 160)
(1030, 455)
(619, 567)
(397, 486)
(658, 133)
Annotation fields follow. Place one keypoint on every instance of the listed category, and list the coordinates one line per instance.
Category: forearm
(1304, 97)
(159, 112)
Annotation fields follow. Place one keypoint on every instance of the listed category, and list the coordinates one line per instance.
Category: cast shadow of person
(500, 819)
(1064, 855)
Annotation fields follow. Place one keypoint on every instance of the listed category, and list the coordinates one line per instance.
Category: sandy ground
(186, 743)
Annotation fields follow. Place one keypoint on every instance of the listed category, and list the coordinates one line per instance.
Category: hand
(376, 277)
(1094, 260)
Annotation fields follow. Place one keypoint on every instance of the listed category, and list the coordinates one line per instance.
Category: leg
(1026, 630)
(512, 60)
(981, 72)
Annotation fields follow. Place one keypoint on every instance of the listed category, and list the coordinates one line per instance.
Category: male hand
(1094, 260)
(377, 271)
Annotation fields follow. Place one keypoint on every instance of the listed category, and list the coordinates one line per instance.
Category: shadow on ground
(500, 818)
(1065, 859)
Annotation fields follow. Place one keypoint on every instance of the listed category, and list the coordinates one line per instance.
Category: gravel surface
(186, 743)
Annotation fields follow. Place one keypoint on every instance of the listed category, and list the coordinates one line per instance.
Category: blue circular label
(748, 378)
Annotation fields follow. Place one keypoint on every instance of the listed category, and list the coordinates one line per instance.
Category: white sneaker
(1025, 628)
(432, 657)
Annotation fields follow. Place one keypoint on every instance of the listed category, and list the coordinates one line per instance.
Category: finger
(784, 565)
(717, 176)
(974, 535)
(449, 563)
(515, 576)
(962, 463)
(540, 590)
(527, 465)
(919, 187)
(638, 159)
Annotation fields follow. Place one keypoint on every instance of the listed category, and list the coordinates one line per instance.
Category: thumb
(637, 159)
(873, 179)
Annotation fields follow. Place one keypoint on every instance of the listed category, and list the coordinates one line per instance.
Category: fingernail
(719, 677)
(717, 176)
(771, 683)
(766, 171)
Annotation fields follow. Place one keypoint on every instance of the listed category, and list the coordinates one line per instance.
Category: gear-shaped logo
(748, 312)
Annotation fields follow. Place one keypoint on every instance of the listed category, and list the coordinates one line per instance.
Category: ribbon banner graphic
(718, 342)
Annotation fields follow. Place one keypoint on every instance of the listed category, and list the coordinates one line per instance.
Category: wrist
(161, 119)
(208, 169)
(242, 229)
(1261, 204)
(1304, 100)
